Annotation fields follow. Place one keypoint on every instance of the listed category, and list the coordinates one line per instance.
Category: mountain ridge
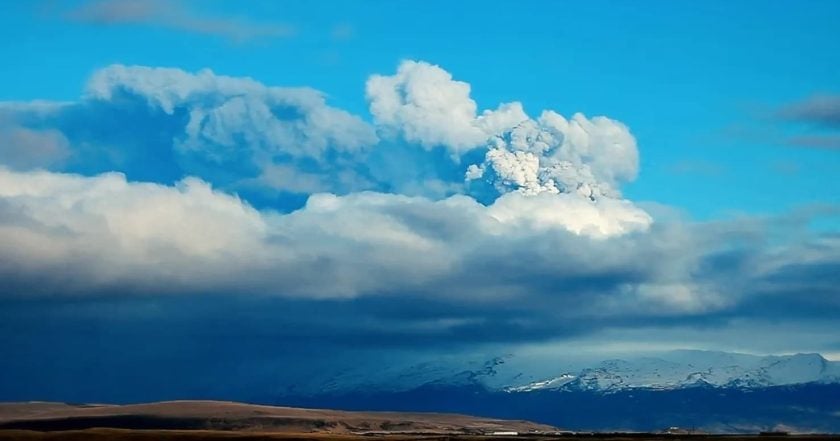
(708, 390)
(664, 373)
(667, 370)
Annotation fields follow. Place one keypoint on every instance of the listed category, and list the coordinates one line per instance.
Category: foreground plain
(220, 420)
(201, 435)
(231, 418)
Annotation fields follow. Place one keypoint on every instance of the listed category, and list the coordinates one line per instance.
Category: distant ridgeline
(708, 391)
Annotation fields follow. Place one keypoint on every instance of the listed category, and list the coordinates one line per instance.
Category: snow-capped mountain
(683, 369)
(512, 374)
(714, 391)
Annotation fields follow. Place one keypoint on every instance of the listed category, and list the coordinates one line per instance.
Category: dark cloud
(175, 15)
(256, 347)
(821, 110)
(810, 123)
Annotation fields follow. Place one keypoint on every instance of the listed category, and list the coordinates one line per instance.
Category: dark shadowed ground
(218, 420)
(229, 418)
(197, 435)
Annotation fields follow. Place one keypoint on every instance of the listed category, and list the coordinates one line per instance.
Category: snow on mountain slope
(514, 374)
(398, 375)
(551, 383)
(681, 369)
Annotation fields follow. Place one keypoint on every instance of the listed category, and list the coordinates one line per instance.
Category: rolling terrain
(230, 416)
(219, 420)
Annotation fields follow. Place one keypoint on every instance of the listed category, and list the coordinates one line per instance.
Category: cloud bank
(426, 220)
(821, 110)
(103, 232)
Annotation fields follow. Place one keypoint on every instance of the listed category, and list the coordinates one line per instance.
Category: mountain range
(702, 390)
(684, 369)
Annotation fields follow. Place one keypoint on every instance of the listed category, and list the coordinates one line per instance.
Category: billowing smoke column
(545, 172)
(555, 155)
(550, 154)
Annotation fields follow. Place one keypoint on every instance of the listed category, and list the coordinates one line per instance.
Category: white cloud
(88, 234)
(105, 231)
(424, 104)
(598, 219)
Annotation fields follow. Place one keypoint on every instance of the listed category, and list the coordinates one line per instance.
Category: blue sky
(381, 175)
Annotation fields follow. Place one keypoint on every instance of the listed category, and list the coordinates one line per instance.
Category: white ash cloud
(225, 111)
(588, 157)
